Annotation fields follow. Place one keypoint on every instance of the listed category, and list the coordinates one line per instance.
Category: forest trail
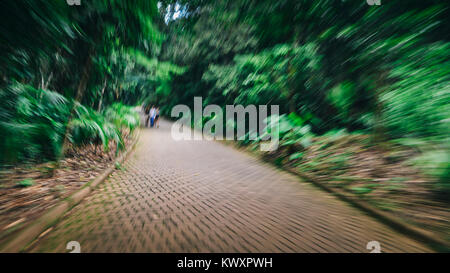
(203, 196)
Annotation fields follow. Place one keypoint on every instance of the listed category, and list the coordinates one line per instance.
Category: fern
(33, 123)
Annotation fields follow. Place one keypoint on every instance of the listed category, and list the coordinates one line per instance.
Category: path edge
(32, 231)
(412, 231)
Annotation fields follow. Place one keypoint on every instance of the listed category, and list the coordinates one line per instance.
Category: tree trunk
(85, 77)
(45, 85)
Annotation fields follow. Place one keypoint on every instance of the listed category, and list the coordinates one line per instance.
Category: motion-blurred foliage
(33, 124)
(67, 72)
(338, 65)
(331, 65)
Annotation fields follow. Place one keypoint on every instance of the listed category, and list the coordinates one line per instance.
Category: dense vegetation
(68, 71)
(330, 65)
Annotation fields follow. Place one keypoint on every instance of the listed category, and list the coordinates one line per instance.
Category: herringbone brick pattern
(202, 196)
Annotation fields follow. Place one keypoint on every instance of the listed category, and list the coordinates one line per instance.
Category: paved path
(202, 196)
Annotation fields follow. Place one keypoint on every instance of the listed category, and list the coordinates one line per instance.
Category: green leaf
(26, 182)
(297, 155)
(361, 190)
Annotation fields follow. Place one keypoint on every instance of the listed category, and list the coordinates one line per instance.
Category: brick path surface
(203, 196)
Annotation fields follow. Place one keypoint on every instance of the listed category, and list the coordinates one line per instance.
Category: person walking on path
(152, 116)
(147, 115)
(157, 117)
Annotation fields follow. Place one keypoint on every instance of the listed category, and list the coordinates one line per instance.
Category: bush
(33, 123)
(417, 104)
(436, 164)
(123, 116)
(91, 127)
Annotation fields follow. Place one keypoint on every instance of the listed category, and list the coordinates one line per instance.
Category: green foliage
(361, 190)
(342, 66)
(292, 132)
(271, 75)
(92, 54)
(92, 127)
(297, 155)
(417, 104)
(342, 97)
(123, 116)
(436, 163)
(80, 52)
(34, 121)
(25, 183)
(119, 166)
(333, 67)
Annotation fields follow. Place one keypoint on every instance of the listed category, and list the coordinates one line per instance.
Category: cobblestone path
(203, 196)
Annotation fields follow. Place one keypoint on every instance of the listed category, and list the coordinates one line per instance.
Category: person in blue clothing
(152, 116)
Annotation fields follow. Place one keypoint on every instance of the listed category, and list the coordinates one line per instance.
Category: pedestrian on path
(147, 115)
(157, 117)
(152, 116)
